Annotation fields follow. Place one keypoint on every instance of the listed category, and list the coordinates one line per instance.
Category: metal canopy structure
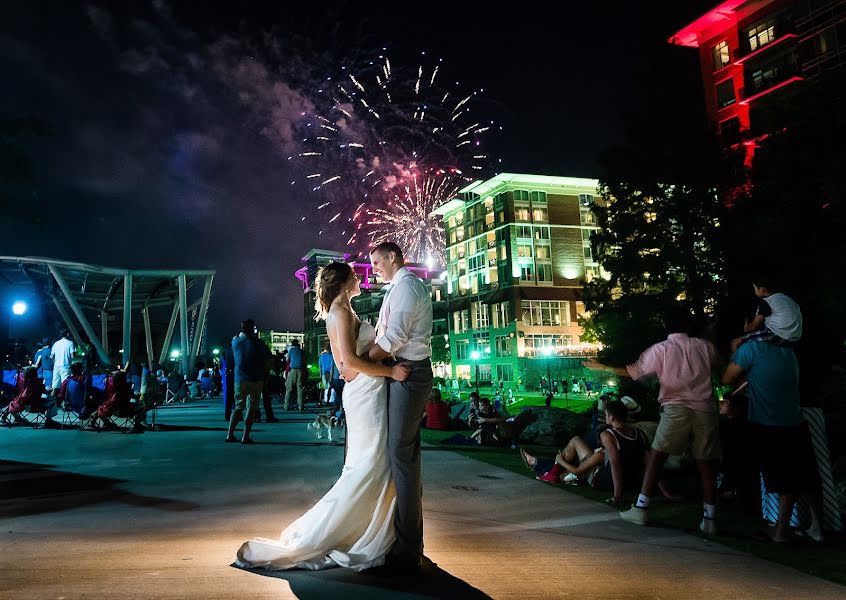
(90, 296)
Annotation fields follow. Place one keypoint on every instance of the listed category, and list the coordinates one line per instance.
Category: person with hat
(615, 466)
(683, 367)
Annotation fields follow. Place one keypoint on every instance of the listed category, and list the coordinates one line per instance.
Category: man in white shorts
(62, 355)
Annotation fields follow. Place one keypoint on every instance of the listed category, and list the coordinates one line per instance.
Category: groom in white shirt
(403, 334)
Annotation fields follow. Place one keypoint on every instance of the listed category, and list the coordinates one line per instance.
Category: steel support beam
(89, 331)
(183, 323)
(148, 336)
(169, 334)
(201, 321)
(104, 329)
(68, 321)
(127, 319)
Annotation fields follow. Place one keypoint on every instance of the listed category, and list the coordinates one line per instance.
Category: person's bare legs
(252, 409)
(654, 466)
(707, 480)
(576, 450)
(786, 502)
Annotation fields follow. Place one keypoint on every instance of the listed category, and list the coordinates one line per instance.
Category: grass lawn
(737, 530)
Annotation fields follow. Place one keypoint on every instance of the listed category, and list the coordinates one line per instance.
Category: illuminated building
(278, 341)
(518, 250)
(749, 51)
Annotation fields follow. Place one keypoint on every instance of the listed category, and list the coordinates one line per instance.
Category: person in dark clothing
(227, 373)
(252, 364)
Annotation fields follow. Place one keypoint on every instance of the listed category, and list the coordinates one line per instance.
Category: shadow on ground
(31, 489)
(433, 582)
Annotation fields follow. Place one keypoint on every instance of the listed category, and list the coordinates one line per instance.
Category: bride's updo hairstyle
(331, 281)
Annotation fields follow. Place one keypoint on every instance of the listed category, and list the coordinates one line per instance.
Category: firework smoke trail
(407, 218)
(373, 134)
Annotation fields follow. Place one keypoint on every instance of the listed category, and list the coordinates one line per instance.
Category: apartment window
(524, 231)
(725, 93)
(484, 372)
(521, 196)
(527, 272)
(544, 273)
(761, 35)
(500, 315)
(585, 199)
(503, 251)
(462, 349)
(721, 55)
(461, 321)
(480, 314)
(587, 217)
(545, 313)
(521, 213)
(588, 253)
(503, 346)
(536, 344)
(542, 251)
(524, 250)
(540, 215)
(539, 197)
(505, 372)
(482, 343)
(541, 233)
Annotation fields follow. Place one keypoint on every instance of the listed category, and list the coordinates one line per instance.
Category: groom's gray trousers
(406, 407)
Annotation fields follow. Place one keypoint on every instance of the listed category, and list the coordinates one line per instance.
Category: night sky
(158, 152)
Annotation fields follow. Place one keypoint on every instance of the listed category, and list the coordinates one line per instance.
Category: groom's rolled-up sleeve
(403, 305)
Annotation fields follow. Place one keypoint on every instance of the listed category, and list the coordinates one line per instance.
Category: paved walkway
(160, 515)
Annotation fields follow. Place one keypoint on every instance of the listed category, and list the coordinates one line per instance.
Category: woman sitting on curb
(616, 466)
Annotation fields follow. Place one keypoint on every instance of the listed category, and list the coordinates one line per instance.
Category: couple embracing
(373, 515)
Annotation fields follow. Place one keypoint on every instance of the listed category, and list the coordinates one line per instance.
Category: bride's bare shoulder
(340, 316)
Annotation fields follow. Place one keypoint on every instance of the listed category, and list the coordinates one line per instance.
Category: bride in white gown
(353, 524)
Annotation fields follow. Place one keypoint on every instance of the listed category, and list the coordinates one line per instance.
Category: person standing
(326, 364)
(297, 375)
(404, 335)
(780, 438)
(252, 364)
(683, 366)
(227, 374)
(62, 355)
(44, 364)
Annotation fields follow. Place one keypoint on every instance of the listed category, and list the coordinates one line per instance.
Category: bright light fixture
(19, 307)
(475, 355)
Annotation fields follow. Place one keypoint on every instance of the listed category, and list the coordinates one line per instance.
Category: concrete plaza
(160, 515)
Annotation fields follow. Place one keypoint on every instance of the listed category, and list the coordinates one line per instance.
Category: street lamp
(215, 351)
(19, 308)
(475, 356)
(548, 353)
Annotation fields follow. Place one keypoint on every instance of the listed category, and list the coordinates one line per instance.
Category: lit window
(721, 55)
(761, 35)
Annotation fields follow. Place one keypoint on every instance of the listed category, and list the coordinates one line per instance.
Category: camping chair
(206, 385)
(75, 403)
(9, 385)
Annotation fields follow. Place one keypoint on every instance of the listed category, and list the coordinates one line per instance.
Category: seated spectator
(473, 414)
(118, 402)
(437, 412)
(30, 389)
(152, 393)
(616, 466)
(75, 375)
(488, 420)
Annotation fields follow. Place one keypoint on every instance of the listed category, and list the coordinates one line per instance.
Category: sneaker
(635, 515)
(708, 527)
(548, 477)
(571, 478)
(814, 532)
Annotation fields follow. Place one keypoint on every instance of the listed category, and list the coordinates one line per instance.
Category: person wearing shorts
(689, 415)
(252, 365)
(782, 445)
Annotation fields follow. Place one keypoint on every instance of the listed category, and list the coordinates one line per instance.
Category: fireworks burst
(406, 220)
(384, 140)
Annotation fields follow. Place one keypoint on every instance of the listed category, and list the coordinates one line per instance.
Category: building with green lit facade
(518, 252)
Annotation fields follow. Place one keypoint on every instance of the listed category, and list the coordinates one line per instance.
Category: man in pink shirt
(689, 415)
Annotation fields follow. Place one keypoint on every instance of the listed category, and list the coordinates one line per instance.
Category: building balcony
(770, 77)
(783, 29)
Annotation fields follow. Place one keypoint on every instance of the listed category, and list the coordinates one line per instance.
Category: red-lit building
(750, 50)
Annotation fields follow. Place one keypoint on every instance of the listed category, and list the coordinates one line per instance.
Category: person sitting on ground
(437, 412)
(489, 420)
(473, 414)
(118, 402)
(75, 375)
(777, 320)
(614, 467)
(30, 390)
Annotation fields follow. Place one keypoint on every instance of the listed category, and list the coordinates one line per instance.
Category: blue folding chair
(76, 403)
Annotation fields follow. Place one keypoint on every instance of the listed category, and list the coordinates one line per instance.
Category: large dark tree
(661, 219)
